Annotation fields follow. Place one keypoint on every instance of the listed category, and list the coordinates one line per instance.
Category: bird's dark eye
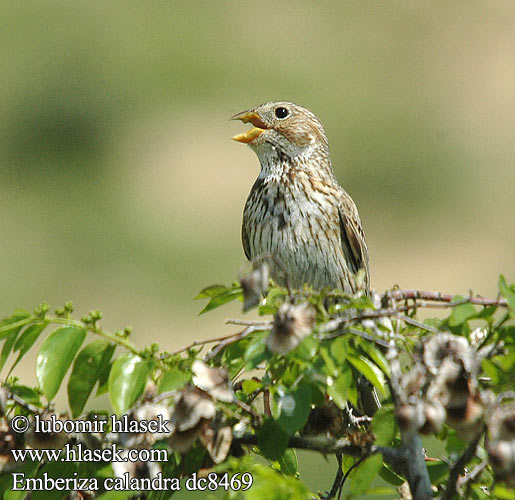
(281, 112)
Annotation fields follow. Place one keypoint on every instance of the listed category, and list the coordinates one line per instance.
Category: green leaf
(56, 356)
(462, 313)
(211, 291)
(86, 370)
(116, 495)
(487, 312)
(437, 471)
(10, 328)
(306, 349)
(507, 292)
(272, 485)
(127, 380)
(27, 340)
(371, 372)
(490, 370)
(28, 468)
(390, 476)
(28, 394)
(364, 473)
(339, 349)
(250, 385)
(272, 301)
(339, 389)
(376, 355)
(288, 463)
(256, 353)
(8, 345)
(295, 408)
(17, 320)
(173, 380)
(502, 492)
(384, 426)
(103, 380)
(381, 491)
(55, 470)
(219, 296)
(272, 440)
(329, 366)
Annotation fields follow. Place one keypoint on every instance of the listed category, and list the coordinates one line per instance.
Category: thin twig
(223, 340)
(351, 468)
(458, 467)
(442, 297)
(471, 477)
(21, 402)
(234, 338)
(246, 322)
(418, 324)
(337, 480)
(359, 333)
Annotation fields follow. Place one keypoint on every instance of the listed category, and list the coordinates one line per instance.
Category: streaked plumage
(296, 210)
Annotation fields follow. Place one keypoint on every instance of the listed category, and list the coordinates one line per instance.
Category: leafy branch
(297, 378)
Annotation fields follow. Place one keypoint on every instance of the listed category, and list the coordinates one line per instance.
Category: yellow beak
(256, 131)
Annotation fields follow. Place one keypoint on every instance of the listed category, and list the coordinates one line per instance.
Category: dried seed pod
(137, 469)
(254, 286)
(214, 381)
(444, 346)
(410, 417)
(217, 439)
(501, 424)
(45, 440)
(9, 440)
(434, 417)
(193, 407)
(152, 411)
(291, 324)
(502, 459)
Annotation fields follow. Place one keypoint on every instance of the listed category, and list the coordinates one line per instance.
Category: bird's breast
(298, 225)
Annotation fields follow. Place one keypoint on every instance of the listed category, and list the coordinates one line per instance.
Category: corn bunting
(296, 210)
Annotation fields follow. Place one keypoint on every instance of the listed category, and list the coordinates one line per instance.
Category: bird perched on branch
(296, 210)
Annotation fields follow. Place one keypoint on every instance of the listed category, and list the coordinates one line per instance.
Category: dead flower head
(9, 440)
(214, 381)
(501, 425)
(192, 409)
(291, 324)
(152, 411)
(445, 346)
(45, 440)
(501, 446)
(217, 439)
(254, 285)
(137, 469)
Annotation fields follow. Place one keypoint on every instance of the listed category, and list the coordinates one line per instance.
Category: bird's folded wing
(245, 241)
(353, 237)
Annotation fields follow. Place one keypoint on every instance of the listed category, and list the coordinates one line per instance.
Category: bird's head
(284, 127)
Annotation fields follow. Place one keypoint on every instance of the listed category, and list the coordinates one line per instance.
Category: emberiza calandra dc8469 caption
(296, 210)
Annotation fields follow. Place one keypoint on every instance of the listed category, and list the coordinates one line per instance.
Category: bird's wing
(245, 241)
(352, 237)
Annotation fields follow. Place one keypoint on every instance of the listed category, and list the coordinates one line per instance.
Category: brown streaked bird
(296, 210)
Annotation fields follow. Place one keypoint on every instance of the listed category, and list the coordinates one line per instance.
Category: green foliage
(55, 357)
(311, 390)
(127, 380)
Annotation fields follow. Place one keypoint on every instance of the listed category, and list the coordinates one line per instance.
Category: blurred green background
(120, 188)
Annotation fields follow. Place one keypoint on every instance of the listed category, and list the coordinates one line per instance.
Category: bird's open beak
(249, 117)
